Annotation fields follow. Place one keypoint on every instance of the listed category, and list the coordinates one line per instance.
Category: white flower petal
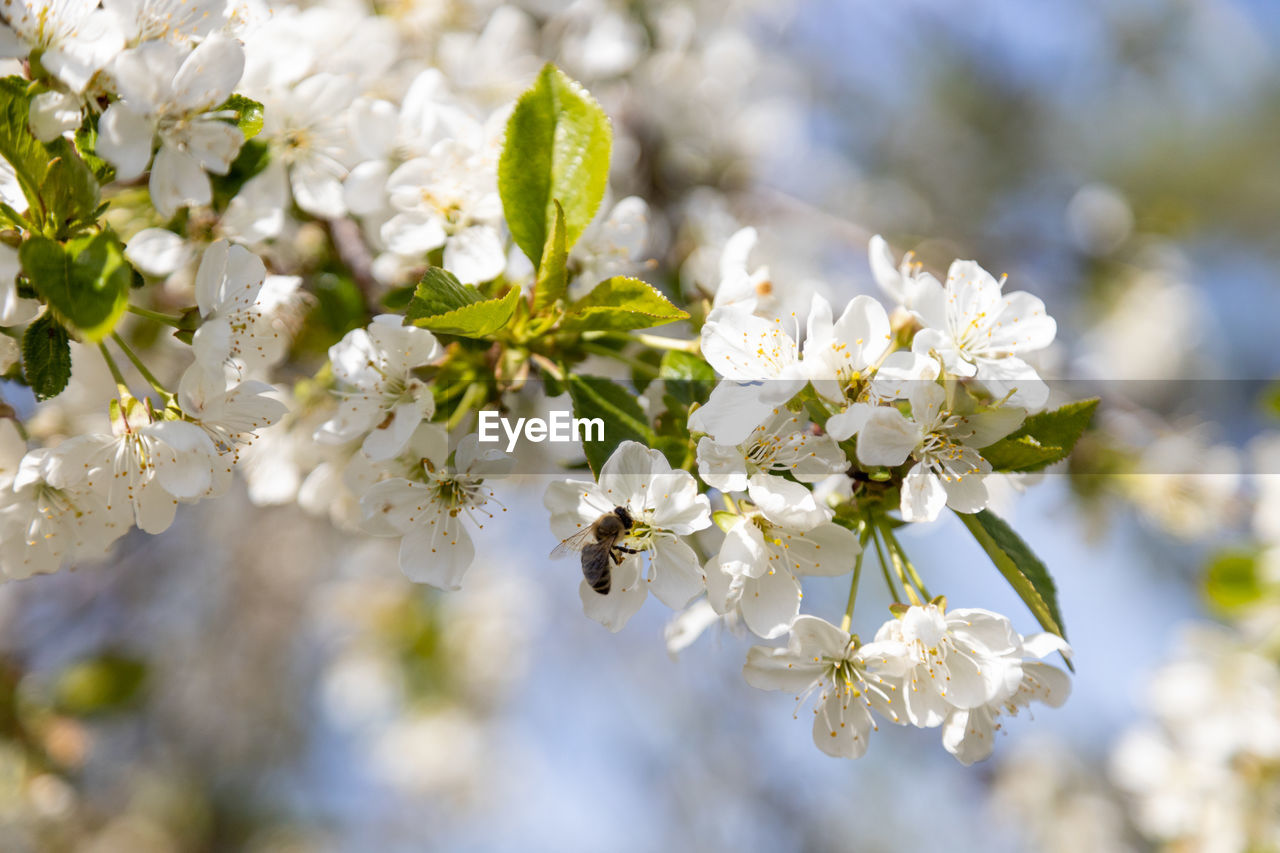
(770, 602)
(177, 181)
(887, 437)
(626, 593)
(675, 574)
(124, 140)
(785, 503)
(475, 254)
(157, 251)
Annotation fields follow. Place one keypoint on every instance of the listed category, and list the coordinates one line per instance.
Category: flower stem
(470, 397)
(137, 362)
(911, 591)
(548, 366)
(661, 342)
(896, 547)
(633, 363)
(884, 566)
(847, 621)
(113, 367)
(167, 319)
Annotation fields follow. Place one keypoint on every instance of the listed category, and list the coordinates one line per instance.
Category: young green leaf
(248, 114)
(86, 282)
(1044, 439)
(69, 190)
(443, 304)
(557, 149)
(594, 397)
(619, 304)
(29, 158)
(1234, 581)
(688, 378)
(553, 279)
(439, 292)
(46, 357)
(1019, 565)
(100, 685)
(477, 320)
(60, 189)
(87, 145)
(252, 160)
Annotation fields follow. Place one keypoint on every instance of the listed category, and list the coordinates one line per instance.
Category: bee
(599, 547)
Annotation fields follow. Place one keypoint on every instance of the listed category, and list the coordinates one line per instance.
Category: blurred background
(255, 679)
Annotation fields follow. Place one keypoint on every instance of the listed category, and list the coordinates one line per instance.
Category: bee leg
(625, 549)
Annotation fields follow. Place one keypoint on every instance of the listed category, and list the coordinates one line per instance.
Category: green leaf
(1019, 565)
(397, 298)
(60, 189)
(69, 189)
(87, 145)
(1233, 582)
(1271, 401)
(248, 114)
(46, 357)
(624, 420)
(100, 685)
(29, 158)
(439, 292)
(249, 163)
(86, 282)
(443, 304)
(619, 304)
(557, 148)
(1044, 439)
(688, 378)
(553, 278)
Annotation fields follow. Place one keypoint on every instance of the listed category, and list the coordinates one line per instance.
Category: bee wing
(574, 543)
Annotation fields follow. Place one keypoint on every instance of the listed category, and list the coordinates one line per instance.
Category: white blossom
(949, 469)
(850, 681)
(979, 332)
(958, 659)
(760, 362)
(901, 283)
(611, 245)
(51, 513)
(449, 198)
(784, 443)
(307, 130)
(240, 333)
(428, 510)
(739, 285)
(169, 92)
(664, 505)
(179, 21)
(757, 569)
(383, 401)
(149, 467)
(969, 733)
(74, 38)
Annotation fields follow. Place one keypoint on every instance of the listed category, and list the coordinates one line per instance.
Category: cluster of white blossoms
(1202, 771)
(461, 237)
(959, 670)
(70, 502)
(922, 393)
